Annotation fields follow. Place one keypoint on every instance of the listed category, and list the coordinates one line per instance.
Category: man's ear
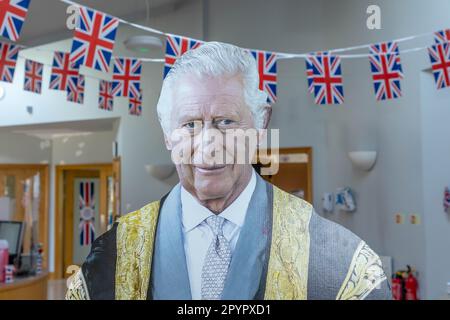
(167, 142)
(267, 116)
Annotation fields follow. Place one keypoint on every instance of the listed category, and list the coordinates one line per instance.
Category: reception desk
(27, 288)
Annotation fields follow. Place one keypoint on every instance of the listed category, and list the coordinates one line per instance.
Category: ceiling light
(143, 44)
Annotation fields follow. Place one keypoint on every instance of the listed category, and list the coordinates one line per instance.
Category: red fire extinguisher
(397, 287)
(411, 286)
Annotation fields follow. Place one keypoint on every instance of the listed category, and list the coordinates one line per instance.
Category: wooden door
(294, 170)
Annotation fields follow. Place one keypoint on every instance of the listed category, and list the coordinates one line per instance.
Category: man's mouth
(210, 169)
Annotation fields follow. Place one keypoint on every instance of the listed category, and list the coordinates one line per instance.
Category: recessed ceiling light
(143, 44)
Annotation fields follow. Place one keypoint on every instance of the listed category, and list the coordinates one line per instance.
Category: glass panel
(8, 198)
(10, 187)
(110, 202)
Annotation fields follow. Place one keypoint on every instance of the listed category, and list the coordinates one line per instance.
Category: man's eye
(192, 124)
(225, 122)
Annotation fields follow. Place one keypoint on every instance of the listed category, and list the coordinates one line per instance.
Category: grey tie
(217, 260)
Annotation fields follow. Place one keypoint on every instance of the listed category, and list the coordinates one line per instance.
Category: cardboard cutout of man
(223, 232)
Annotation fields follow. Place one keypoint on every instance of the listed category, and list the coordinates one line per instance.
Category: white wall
(20, 148)
(93, 147)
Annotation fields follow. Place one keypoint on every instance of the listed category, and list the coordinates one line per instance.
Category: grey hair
(215, 59)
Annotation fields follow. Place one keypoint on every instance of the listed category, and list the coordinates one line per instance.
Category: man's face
(206, 108)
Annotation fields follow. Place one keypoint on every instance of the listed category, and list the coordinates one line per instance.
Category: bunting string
(280, 55)
(93, 47)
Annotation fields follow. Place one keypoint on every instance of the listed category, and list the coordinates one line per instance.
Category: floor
(56, 289)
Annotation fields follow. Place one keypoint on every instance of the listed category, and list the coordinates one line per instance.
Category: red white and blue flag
(87, 213)
(386, 70)
(310, 76)
(267, 69)
(326, 74)
(12, 17)
(33, 76)
(310, 73)
(106, 98)
(447, 199)
(75, 89)
(8, 59)
(175, 47)
(440, 64)
(94, 39)
(442, 36)
(135, 105)
(126, 77)
(62, 71)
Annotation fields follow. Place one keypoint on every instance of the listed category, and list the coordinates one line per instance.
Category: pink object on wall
(4, 255)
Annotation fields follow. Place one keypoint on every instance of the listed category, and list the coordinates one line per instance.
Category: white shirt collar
(193, 213)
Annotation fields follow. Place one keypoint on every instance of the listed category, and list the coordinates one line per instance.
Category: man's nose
(209, 145)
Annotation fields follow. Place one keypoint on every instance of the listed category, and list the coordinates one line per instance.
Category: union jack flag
(386, 70)
(442, 36)
(310, 73)
(12, 17)
(310, 77)
(75, 90)
(326, 73)
(267, 69)
(175, 47)
(87, 213)
(62, 70)
(33, 76)
(447, 199)
(94, 39)
(106, 98)
(135, 105)
(8, 59)
(440, 64)
(126, 77)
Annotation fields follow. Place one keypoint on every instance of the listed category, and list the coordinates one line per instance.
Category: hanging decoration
(106, 98)
(13, 14)
(75, 90)
(94, 39)
(87, 213)
(386, 70)
(326, 76)
(62, 70)
(442, 36)
(135, 106)
(33, 76)
(176, 46)
(8, 59)
(440, 64)
(447, 199)
(126, 77)
(267, 68)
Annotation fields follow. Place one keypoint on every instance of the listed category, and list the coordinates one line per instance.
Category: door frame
(43, 170)
(60, 171)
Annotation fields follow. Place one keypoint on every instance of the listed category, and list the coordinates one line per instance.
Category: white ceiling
(46, 21)
(63, 129)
